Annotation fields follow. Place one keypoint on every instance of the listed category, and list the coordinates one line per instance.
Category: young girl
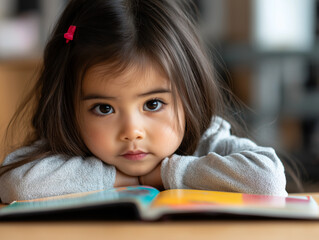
(127, 96)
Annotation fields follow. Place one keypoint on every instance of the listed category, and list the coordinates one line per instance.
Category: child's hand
(153, 178)
(123, 180)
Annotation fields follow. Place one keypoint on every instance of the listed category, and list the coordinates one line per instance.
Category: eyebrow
(98, 96)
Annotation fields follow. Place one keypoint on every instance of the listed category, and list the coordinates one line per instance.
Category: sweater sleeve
(54, 175)
(224, 162)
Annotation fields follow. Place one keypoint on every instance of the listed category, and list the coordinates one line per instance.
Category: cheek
(167, 137)
(169, 133)
(96, 136)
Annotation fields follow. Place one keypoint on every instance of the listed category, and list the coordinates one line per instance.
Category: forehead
(130, 75)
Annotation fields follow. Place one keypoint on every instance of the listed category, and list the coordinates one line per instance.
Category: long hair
(120, 32)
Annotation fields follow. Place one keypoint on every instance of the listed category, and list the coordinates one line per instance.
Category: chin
(137, 172)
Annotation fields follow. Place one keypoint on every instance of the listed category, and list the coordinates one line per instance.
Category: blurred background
(267, 49)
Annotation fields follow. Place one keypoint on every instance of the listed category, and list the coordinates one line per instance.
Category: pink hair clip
(70, 33)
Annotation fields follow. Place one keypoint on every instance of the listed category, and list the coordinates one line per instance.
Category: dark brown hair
(121, 32)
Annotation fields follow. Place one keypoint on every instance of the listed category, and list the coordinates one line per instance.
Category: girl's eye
(153, 105)
(103, 109)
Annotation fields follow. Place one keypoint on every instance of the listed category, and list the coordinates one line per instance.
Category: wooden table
(214, 229)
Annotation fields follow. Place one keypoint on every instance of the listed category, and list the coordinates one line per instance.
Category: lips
(134, 155)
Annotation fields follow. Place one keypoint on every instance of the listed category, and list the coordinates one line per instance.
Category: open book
(149, 204)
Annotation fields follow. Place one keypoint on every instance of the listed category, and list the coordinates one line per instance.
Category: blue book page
(142, 196)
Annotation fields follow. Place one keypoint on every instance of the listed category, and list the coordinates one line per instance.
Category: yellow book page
(187, 197)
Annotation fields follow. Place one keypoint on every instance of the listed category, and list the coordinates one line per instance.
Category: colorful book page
(141, 194)
(186, 197)
(199, 199)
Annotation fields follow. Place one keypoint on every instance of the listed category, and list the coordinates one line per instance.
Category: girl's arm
(55, 175)
(224, 162)
(153, 178)
(122, 180)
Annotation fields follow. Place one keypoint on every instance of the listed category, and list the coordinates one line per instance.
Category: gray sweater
(222, 162)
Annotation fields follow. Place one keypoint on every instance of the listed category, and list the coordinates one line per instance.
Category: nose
(132, 129)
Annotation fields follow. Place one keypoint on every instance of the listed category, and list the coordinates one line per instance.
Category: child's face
(128, 120)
